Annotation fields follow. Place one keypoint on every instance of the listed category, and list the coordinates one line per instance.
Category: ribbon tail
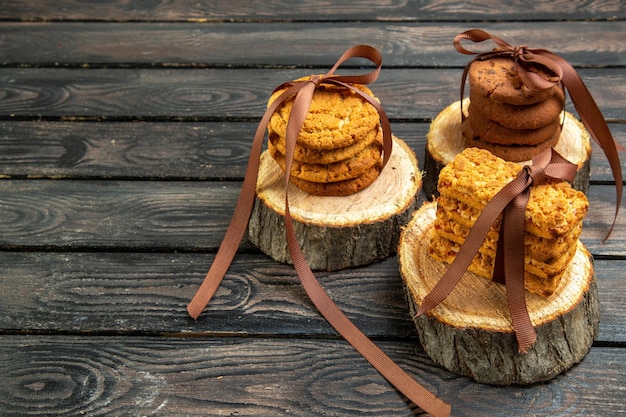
(462, 93)
(498, 267)
(404, 383)
(239, 221)
(513, 223)
(415, 392)
(322, 301)
(232, 238)
(593, 120)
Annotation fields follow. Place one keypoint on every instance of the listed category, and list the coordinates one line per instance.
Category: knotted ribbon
(509, 265)
(303, 91)
(553, 69)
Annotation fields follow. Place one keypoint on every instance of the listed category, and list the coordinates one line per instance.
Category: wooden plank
(214, 150)
(56, 375)
(160, 215)
(122, 147)
(91, 214)
(142, 150)
(242, 10)
(227, 94)
(600, 169)
(612, 314)
(598, 220)
(147, 293)
(125, 150)
(320, 44)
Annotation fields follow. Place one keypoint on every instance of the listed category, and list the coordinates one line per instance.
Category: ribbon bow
(509, 265)
(553, 69)
(303, 91)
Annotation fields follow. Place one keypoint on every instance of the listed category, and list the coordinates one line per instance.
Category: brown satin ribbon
(303, 92)
(509, 266)
(555, 70)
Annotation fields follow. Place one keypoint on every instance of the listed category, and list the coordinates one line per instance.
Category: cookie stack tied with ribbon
(500, 287)
(339, 149)
(553, 219)
(515, 110)
(347, 210)
(498, 283)
(506, 117)
(322, 230)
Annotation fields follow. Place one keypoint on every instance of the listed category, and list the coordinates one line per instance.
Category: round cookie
(341, 188)
(513, 153)
(338, 117)
(497, 79)
(334, 172)
(314, 156)
(493, 132)
(533, 116)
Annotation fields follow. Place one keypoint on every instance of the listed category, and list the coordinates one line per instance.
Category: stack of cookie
(505, 117)
(554, 215)
(338, 151)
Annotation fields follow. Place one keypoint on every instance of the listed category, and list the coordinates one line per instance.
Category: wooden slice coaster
(445, 140)
(470, 332)
(337, 232)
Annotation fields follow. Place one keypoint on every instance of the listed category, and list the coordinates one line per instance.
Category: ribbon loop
(537, 174)
(540, 69)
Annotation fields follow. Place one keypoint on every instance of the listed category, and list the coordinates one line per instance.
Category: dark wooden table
(124, 133)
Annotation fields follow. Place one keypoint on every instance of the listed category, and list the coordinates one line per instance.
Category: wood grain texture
(156, 150)
(58, 375)
(156, 215)
(84, 214)
(183, 151)
(302, 44)
(146, 293)
(242, 10)
(232, 94)
(124, 132)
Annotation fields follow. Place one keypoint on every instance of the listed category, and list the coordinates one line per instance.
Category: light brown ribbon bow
(303, 92)
(555, 70)
(509, 265)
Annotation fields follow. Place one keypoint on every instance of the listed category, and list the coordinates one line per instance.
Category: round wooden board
(337, 232)
(444, 141)
(470, 332)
